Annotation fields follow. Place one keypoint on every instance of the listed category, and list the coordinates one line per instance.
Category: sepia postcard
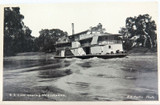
(80, 52)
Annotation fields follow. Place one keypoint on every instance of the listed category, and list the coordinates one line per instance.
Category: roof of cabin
(108, 34)
(83, 32)
(57, 43)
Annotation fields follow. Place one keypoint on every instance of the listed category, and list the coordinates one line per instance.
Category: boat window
(86, 42)
(109, 47)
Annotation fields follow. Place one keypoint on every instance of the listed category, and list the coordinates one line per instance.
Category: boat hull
(107, 56)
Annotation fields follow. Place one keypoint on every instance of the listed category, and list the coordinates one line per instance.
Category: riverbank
(142, 51)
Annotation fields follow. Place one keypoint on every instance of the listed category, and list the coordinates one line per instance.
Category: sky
(111, 15)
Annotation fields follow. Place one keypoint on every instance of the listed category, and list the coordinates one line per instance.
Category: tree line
(18, 38)
(139, 31)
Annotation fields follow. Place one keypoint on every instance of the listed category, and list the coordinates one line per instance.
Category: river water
(40, 77)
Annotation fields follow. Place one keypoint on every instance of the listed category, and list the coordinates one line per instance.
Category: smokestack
(72, 28)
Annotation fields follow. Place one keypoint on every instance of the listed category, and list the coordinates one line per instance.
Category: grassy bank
(142, 51)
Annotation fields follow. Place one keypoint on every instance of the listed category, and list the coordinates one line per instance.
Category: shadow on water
(54, 73)
(85, 64)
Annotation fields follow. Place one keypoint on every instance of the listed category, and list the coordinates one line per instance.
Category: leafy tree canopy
(48, 38)
(17, 36)
(139, 31)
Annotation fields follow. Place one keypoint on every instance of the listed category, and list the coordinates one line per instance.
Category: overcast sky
(83, 15)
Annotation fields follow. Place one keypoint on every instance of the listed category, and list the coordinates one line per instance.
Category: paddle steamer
(94, 42)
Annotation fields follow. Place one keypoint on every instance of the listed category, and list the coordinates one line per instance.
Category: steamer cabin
(94, 41)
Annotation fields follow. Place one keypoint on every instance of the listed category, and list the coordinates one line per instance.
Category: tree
(17, 36)
(140, 31)
(48, 38)
(127, 43)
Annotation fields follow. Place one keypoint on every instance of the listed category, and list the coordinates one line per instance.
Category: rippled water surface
(38, 76)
